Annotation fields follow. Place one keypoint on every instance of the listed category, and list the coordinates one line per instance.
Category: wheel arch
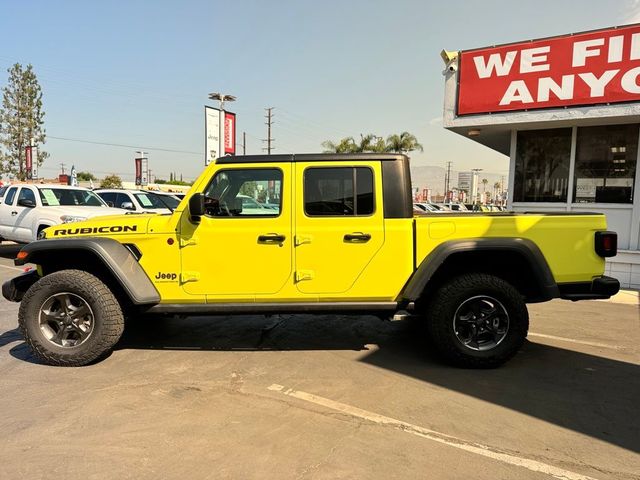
(106, 258)
(518, 261)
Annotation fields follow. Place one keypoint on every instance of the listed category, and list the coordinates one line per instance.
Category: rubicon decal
(88, 230)
(583, 69)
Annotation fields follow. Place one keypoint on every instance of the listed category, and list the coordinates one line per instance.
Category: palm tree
(403, 143)
(345, 145)
(496, 189)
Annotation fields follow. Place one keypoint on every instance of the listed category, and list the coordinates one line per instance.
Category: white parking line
(572, 340)
(477, 448)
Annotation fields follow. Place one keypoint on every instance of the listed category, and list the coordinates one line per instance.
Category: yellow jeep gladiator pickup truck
(310, 234)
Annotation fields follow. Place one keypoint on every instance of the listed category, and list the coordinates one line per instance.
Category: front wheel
(70, 318)
(477, 321)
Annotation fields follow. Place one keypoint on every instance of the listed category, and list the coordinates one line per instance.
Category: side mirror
(25, 202)
(127, 206)
(110, 204)
(196, 205)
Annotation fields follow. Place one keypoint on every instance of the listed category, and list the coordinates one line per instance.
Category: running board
(272, 308)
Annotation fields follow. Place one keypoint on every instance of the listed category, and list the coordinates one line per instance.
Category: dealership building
(566, 110)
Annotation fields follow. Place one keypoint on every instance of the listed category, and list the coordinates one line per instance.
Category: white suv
(139, 201)
(28, 209)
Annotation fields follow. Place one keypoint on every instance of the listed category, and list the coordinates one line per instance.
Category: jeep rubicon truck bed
(340, 236)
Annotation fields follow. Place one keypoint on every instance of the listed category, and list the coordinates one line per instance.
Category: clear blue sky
(138, 72)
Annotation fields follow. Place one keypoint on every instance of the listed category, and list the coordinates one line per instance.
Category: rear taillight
(606, 244)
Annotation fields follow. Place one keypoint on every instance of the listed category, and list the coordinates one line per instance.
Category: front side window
(542, 165)
(605, 164)
(343, 191)
(108, 197)
(255, 192)
(27, 194)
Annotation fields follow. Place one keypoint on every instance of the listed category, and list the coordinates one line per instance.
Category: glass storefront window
(606, 164)
(542, 165)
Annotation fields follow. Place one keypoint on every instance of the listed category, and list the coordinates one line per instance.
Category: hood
(102, 226)
(85, 211)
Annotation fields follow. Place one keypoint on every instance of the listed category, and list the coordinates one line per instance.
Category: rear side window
(8, 198)
(344, 191)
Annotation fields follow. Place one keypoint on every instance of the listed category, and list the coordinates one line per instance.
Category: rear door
(339, 224)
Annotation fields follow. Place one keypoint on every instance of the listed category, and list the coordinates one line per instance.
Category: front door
(339, 224)
(242, 247)
(24, 228)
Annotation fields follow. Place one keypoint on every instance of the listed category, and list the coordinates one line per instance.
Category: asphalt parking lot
(326, 397)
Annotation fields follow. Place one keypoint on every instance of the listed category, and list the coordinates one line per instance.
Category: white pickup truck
(28, 209)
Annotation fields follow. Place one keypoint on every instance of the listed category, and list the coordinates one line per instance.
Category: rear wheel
(70, 318)
(477, 321)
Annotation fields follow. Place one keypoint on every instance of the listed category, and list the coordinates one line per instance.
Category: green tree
(21, 120)
(403, 143)
(111, 181)
(86, 176)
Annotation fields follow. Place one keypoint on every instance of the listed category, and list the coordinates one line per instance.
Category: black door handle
(357, 237)
(271, 238)
(14, 213)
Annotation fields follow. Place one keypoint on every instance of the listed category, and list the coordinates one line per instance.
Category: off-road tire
(444, 304)
(107, 317)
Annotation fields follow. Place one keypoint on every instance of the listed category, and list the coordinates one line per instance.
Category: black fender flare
(117, 258)
(526, 248)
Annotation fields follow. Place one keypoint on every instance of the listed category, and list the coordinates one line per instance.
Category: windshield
(152, 200)
(54, 197)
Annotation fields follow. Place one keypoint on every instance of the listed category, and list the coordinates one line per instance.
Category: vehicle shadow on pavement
(20, 351)
(592, 395)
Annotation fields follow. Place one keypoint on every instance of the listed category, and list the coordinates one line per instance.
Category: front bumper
(600, 288)
(14, 289)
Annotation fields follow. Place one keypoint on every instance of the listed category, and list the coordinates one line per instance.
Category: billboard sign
(590, 68)
(229, 133)
(212, 142)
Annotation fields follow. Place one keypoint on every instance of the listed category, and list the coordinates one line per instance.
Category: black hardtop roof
(311, 157)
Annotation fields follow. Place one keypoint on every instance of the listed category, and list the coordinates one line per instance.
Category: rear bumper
(600, 288)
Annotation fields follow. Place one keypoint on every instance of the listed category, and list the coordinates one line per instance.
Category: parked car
(28, 209)
(427, 208)
(140, 201)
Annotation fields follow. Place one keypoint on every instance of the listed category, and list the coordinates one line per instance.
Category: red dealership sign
(583, 69)
(138, 163)
(229, 133)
